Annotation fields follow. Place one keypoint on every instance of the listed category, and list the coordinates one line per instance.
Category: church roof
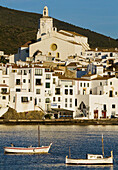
(65, 34)
(74, 33)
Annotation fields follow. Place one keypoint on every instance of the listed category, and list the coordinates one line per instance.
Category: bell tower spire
(45, 12)
(45, 24)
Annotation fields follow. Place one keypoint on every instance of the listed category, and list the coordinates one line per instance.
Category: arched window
(44, 11)
(47, 100)
(57, 55)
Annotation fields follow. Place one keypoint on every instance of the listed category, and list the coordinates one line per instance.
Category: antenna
(102, 146)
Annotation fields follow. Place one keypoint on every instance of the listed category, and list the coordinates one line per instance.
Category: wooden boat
(92, 159)
(28, 150)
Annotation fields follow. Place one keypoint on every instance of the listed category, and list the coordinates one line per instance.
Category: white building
(52, 43)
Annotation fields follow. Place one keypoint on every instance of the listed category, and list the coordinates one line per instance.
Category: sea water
(80, 139)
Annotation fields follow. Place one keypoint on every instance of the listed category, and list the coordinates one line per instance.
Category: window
(3, 81)
(35, 103)
(53, 99)
(18, 90)
(70, 100)
(30, 98)
(104, 107)
(54, 80)
(48, 76)
(66, 91)
(84, 84)
(80, 84)
(70, 105)
(47, 100)
(66, 99)
(58, 99)
(110, 93)
(116, 93)
(84, 91)
(37, 91)
(57, 55)
(87, 84)
(66, 85)
(110, 83)
(90, 91)
(38, 72)
(38, 81)
(47, 85)
(39, 100)
(100, 83)
(14, 99)
(100, 92)
(4, 90)
(113, 106)
(4, 97)
(25, 72)
(24, 80)
(65, 105)
(57, 91)
(29, 90)
(24, 99)
(29, 80)
(71, 92)
(75, 102)
(17, 81)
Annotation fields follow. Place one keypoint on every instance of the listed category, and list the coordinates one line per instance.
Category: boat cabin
(92, 156)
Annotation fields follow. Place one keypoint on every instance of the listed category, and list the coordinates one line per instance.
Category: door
(95, 114)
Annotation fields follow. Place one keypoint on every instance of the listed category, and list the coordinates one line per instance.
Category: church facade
(58, 44)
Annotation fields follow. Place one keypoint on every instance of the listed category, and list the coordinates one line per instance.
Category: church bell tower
(45, 24)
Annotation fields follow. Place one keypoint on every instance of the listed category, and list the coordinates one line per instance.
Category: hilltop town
(60, 75)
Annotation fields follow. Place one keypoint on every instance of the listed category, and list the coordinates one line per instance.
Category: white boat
(92, 159)
(28, 150)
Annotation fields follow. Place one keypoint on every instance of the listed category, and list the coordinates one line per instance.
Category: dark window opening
(66, 91)
(47, 85)
(38, 81)
(17, 81)
(75, 102)
(71, 92)
(57, 91)
(24, 99)
(18, 90)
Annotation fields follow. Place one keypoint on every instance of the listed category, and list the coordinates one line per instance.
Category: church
(52, 43)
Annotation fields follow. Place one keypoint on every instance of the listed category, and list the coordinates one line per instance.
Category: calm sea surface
(81, 139)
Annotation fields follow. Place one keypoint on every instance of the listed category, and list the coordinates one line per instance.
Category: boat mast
(102, 146)
(69, 152)
(38, 135)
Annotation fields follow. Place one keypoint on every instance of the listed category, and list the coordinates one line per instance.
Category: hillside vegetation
(17, 27)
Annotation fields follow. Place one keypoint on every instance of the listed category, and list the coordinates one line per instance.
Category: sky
(100, 16)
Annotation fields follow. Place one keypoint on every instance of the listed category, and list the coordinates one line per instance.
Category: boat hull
(27, 150)
(104, 161)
